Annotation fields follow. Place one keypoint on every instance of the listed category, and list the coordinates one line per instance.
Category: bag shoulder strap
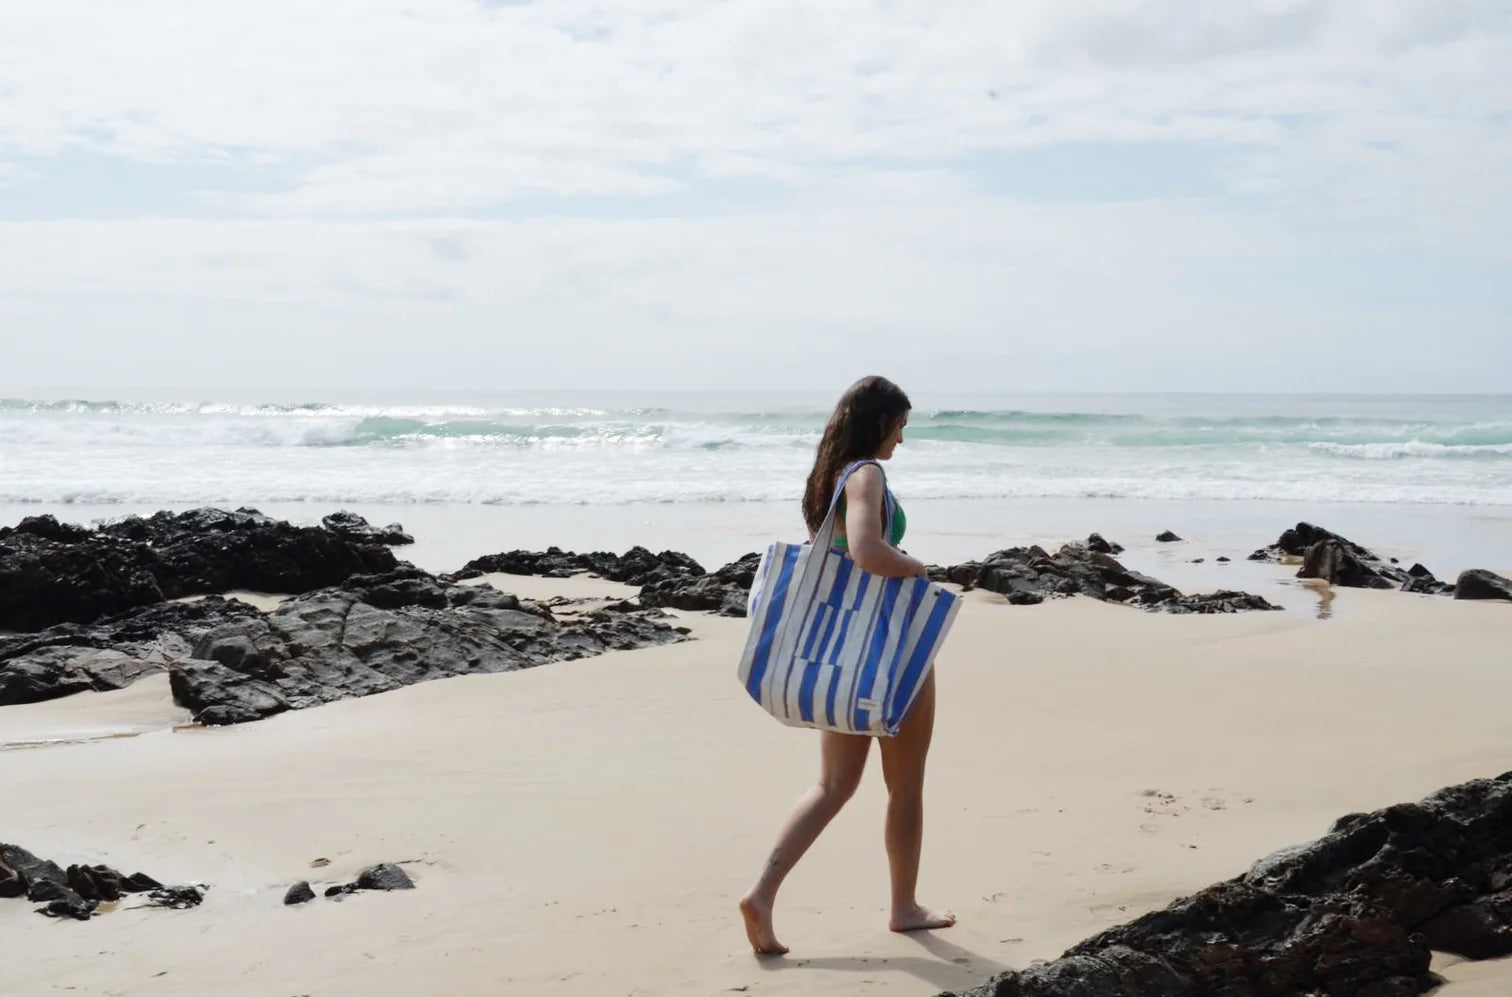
(827, 531)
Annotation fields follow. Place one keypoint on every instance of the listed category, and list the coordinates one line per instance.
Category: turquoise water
(607, 449)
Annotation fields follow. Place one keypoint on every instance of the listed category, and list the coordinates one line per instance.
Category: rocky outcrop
(1332, 558)
(354, 527)
(1167, 537)
(76, 892)
(1027, 576)
(382, 632)
(1295, 541)
(53, 573)
(1221, 601)
(1421, 581)
(1356, 912)
(208, 550)
(50, 574)
(110, 653)
(1097, 545)
(725, 592)
(300, 893)
(637, 566)
(367, 632)
(1478, 583)
(385, 877)
(669, 580)
(1337, 561)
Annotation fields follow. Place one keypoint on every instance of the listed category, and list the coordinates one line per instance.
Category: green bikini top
(899, 525)
(899, 520)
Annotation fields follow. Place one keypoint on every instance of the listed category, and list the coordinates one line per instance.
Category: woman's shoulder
(866, 476)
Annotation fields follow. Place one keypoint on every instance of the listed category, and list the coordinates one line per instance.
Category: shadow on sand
(946, 967)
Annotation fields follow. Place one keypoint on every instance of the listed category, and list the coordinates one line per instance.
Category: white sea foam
(1411, 450)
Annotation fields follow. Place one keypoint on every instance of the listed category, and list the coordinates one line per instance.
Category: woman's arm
(863, 514)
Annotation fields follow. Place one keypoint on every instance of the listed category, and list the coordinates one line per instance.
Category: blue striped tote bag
(835, 647)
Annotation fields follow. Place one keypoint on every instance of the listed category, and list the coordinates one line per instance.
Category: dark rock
(1225, 560)
(1332, 558)
(50, 889)
(140, 882)
(1478, 583)
(1027, 576)
(1198, 560)
(48, 528)
(1222, 601)
(1168, 538)
(76, 893)
(1295, 541)
(71, 905)
(1355, 912)
(410, 586)
(109, 654)
(20, 870)
(1097, 545)
(176, 897)
(384, 632)
(1231, 940)
(637, 566)
(354, 527)
(384, 877)
(1481, 929)
(725, 592)
(1335, 562)
(209, 550)
(1421, 581)
(98, 882)
(704, 594)
(742, 572)
(45, 581)
(299, 893)
(51, 574)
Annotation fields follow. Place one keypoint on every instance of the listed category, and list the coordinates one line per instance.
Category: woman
(867, 424)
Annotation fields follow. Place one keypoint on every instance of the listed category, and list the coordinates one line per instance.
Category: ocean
(721, 472)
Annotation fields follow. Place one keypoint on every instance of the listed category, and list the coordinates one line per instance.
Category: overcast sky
(1036, 195)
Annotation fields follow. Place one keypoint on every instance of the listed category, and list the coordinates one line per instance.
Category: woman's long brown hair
(861, 422)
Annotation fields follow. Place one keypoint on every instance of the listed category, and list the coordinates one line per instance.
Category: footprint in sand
(1159, 803)
(1162, 804)
(1222, 799)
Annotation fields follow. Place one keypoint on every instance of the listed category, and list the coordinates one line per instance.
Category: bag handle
(827, 530)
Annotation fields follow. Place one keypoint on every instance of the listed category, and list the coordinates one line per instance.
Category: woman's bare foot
(758, 924)
(919, 918)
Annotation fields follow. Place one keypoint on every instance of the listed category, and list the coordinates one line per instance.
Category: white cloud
(388, 102)
(557, 164)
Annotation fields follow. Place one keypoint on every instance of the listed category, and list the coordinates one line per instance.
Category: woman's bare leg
(842, 759)
(903, 759)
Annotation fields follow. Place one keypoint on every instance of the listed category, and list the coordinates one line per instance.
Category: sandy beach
(397, 401)
(586, 827)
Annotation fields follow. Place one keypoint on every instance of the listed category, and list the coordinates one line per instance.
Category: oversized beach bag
(837, 648)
